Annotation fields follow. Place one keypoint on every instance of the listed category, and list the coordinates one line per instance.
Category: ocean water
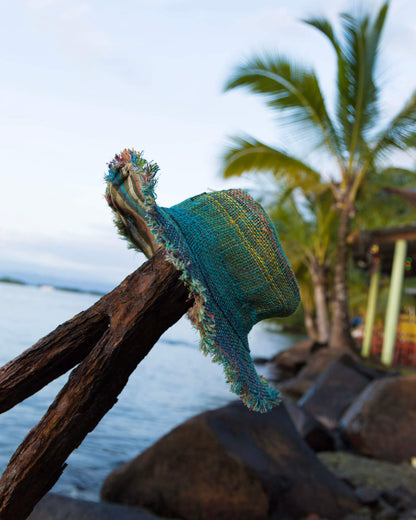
(174, 382)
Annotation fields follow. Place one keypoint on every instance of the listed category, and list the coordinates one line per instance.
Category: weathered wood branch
(51, 356)
(129, 321)
(61, 349)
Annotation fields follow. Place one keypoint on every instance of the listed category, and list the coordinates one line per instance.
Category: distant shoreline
(16, 281)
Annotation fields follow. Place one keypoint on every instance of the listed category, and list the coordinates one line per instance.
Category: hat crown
(238, 248)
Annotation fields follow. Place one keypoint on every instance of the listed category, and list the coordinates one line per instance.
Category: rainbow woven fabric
(230, 257)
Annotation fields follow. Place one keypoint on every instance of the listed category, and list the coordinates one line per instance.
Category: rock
(386, 513)
(283, 462)
(364, 472)
(376, 484)
(381, 423)
(189, 474)
(368, 495)
(408, 515)
(261, 361)
(231, 464)
(316, 364)
(288, 363)
(315, 434)
(295, 388)
(336, 388)
(400, 498)
(362, 514)
(268, 369)
(291, 360)
(58, 507)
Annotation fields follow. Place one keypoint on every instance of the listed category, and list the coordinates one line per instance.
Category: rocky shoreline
(340, 447)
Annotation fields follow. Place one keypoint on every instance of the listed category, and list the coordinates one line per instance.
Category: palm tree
(307, 223)
(351, 138)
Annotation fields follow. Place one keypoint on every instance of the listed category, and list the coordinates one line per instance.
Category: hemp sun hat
(231, 261)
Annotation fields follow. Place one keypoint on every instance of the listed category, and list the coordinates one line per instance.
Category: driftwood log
(107, 341)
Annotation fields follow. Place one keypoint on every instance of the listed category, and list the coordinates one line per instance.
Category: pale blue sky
(83, 79)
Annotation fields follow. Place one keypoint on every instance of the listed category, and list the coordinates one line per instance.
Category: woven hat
(230, 257)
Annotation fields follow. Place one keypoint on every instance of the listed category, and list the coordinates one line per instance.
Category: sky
(83, 79)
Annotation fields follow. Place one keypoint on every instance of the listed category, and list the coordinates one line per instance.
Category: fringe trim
(131, 161)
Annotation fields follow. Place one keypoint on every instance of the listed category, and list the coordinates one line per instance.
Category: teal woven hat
(230, 257)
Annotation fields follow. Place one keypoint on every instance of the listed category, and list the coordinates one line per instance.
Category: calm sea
(174, 382)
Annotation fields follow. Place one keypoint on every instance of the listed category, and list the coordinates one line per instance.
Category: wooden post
(370, 314)
(127, 323)
(393, 304)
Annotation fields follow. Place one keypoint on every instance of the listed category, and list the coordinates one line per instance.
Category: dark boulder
(381, 423)
(336, 389)
(188, 474)
(230, 464)
(400, 498)
(315, 365)
(290, 361)
(58, 507)
(314, 433)
(368, 495)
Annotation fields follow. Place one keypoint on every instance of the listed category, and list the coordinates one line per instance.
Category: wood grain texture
(113, 336)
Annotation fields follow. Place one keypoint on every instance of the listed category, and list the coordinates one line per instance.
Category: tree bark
(321, 304)
(135, 314)
(340, 331)
(310, 323)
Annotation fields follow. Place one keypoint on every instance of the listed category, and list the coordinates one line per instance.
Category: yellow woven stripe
(261, 242)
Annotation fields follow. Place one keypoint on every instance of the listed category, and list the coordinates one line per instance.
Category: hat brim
(218, 336)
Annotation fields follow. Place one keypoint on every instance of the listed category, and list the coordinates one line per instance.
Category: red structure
(405, 346)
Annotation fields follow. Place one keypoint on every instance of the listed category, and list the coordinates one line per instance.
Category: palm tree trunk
(321, 306)
(310, 323)
(340, 332)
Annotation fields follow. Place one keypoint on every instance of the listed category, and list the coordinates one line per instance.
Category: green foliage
(248, 154)
(400, 133)
(377, 207)
(353, 138)
(310, 202)
(308, 223)
(358, 290)
(293, 91)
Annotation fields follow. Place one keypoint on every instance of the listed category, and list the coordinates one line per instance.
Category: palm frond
(397, 177)
(378, 191)
(357, 107)
(357, 103)
(291, 224)
(324, 26)
(248, 154)
(400, 133)
(307, 224)
(391, 177)
(293, 91)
